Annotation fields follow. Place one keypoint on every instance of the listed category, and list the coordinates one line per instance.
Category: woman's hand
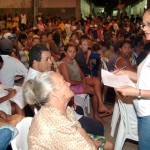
(97, 143)
(128, 91)
(120, 72)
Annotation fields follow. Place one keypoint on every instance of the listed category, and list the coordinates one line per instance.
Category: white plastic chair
(104, 62)
(83, 100)
(116, 112)
(20, 141)
(115, 118)
(125, 130)
(86, 98)
(35, 110)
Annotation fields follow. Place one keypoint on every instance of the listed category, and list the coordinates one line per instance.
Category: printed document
(115, 81)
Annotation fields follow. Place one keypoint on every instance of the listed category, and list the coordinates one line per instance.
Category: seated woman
(125, 61)
(54, 126)
(74, 40)
(81, 84)
(124, 58)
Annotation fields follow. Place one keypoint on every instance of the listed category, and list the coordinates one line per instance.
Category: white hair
(36, 91)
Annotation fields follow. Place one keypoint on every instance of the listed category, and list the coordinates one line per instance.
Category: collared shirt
(32, 73)
(51, 130)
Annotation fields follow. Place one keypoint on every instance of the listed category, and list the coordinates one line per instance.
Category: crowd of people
(57, 59)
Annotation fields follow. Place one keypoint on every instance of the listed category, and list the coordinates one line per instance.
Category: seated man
(10, 67)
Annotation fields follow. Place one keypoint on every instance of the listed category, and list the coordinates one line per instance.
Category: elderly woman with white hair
(54, 126)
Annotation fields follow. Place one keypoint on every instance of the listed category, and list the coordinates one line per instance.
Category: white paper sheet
(115, 81)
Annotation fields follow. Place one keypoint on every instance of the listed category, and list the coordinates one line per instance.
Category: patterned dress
(51, 130)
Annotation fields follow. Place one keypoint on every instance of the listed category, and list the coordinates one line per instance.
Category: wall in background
(62, 8)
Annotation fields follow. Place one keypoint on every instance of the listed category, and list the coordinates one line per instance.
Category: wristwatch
(139, 95)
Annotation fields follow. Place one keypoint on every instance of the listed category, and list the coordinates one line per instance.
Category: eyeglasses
(145, 24)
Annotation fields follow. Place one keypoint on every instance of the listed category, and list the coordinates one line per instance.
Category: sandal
(105, 113)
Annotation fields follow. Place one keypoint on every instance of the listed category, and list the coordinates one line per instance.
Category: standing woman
(142, 102)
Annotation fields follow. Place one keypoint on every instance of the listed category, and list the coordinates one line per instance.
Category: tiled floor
(129, 145)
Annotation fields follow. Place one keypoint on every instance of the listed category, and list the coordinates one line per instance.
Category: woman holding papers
(142, 102)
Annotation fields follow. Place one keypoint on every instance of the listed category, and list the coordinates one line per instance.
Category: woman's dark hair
(67, 46)
(95, 47)
(65, 50)
(125, 42)
(43, 34)
(21, 37)
(147, 47)
(56, 38)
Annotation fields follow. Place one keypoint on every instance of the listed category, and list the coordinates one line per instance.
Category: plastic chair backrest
(125, 117)
(83, 100)
(20, 141)
(125, 131)
(104, 62)
(115, 118)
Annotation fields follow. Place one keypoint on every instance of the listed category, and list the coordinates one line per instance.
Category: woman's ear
(55, 94)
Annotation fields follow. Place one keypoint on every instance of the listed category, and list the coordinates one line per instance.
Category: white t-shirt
(5, 106)
(23, 19)
(11, 67)
(143, 105)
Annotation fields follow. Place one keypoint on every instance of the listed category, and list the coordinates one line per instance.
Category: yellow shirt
(61, 26)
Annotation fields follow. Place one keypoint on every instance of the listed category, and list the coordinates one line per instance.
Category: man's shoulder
(10, 59)
(32, 73)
